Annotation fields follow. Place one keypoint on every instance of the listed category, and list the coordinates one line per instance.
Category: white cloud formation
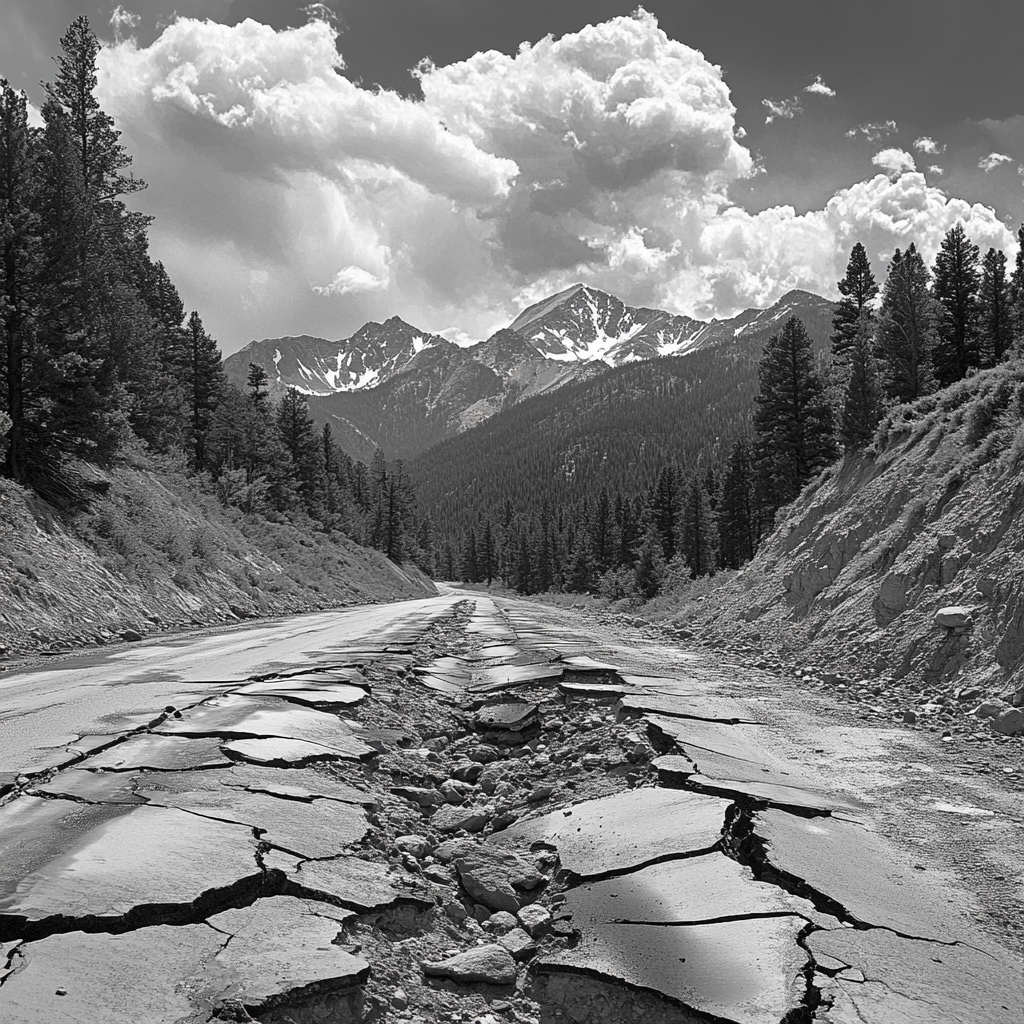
(35, 115)
(781, 108)
(873, 131)
(604, 156)
(928, 145)
(120, 20)
(819, 88)
(993, 160)
(894, 161)
(351, 280)
(936, 169)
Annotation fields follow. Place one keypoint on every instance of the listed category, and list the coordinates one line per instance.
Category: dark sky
(941, 81)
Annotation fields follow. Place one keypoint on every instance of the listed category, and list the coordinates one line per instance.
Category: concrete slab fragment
(317, 828)
(616, 833)
(75, 977)
(281, 948)
(96, 787)
(165, 753)
(859, 870)
(914, 982)
(504, 676)
(236, 715)
(746, 971)
(696, 706)
(350, 882)
(307, 692)
(298, 753)
(76, 861)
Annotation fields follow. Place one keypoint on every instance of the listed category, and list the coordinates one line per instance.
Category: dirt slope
(155, 552)
(931, 516)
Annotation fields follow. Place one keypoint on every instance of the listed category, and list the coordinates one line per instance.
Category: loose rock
(492, 964)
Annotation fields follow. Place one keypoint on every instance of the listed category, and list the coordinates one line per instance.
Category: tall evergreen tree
(299, 437)
(956, 283)
(699, 531)
(858, 289)
(1016, 294)
(23, 367)
(488, 555)
(994, 312)
(792, 420)
(470, 561)
(664, 510)
(735, 512)
(581, 576)
(862, 404)
(205, 383)
(906, 334)
(650, 566)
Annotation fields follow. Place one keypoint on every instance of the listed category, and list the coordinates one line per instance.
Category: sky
(312, 167)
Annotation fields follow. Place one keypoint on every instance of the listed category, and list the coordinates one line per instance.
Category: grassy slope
(932, 516)
(157, 552)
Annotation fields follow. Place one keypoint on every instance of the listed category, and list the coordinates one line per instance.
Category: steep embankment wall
(156, 552)
(931, 516)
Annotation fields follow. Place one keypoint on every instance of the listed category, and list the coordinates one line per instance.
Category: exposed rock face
(907, 560)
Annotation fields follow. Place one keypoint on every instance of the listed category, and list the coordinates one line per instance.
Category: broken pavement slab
(278, 950)
(908, 981)
(283, 752)
(165, 753)
(702, 707)
(65, 862)
(859, 871)
(623, 831)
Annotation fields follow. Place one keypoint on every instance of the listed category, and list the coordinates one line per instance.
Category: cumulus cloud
(894, 161)
(781, 108)
(927, 145)
(936, 169)
(993, 160)
(352, 280)
(35, 116)
(873, 131)
(605, 156)
(819, 88)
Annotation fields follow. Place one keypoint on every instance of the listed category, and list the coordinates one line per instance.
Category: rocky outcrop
(906, 560)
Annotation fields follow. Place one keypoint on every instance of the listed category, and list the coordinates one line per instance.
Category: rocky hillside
(906, 562)
(154, 552)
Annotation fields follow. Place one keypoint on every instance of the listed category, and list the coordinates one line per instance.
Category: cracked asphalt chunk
(908, 981)
(860, 871)
(75, 977)
(65, 862)
(701, 707)
(318, 828)
(623, 831)
(748, 971)
(346, 881)
(166, 753)
(307, 691)
(275, 751)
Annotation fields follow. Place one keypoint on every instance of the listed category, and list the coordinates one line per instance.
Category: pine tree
(545, 566)
(23, 369)
(906, 333)
(994, 312)
(699, 532)
(735, 512)
(299, 438)
(1016, 294)
(792, 420)
(956, 283)
(581, 576)
(205, 384)
(650, 567)
(470, 563)
(601, 531)
(858, 289)
(524, 567)
(862, 405)
(488, 555)
(664, 509)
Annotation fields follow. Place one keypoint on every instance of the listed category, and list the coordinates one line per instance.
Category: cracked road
(476, 809)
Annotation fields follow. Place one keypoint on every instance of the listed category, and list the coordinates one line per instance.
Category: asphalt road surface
(476, 809)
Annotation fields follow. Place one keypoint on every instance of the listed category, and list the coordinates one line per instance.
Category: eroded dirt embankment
(854, 576)
(154, 552)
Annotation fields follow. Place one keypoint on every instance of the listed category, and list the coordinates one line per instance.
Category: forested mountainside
(101, 371)
(929, 516)
(395, 387)
(616, 431)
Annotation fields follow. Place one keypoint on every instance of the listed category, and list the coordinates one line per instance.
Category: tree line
(97, 355)
(920, 331)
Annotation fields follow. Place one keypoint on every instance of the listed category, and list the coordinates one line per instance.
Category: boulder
(468, 819)
(492, 964)
(492, 876)
(519, 944)
(953, 617)
(1009, 722)
(534, 918)
(990, 709)
(415, 845)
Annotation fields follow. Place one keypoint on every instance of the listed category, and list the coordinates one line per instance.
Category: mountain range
(394, 386)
